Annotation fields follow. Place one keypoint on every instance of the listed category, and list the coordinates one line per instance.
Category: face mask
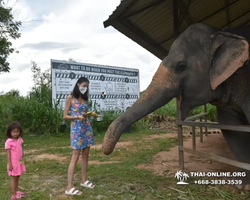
(83, 89)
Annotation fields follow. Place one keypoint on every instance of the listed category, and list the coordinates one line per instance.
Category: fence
(189, 122)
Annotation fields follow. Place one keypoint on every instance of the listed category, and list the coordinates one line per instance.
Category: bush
(141, 124)
(37, 117)
(170, 110)
(6, 104)
(35, 111)
(107, 118)
(211, 112)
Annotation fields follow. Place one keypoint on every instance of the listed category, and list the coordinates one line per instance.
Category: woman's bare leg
(85, 157)
(72, 166)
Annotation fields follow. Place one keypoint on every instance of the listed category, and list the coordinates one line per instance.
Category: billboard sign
(112, 88)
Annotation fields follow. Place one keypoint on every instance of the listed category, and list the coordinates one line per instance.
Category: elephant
(204, 65)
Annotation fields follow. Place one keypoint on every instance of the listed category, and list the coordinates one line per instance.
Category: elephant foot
(243, 187)
(245, 178)
(247, 187)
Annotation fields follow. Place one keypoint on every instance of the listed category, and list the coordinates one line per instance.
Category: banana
(94, 114)
(89, 113)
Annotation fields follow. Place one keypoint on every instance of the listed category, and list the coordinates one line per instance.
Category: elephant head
(198, 63)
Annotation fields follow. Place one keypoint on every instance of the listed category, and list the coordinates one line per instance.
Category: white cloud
(66, 29)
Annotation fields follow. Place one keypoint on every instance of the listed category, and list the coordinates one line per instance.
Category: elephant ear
(229, 52)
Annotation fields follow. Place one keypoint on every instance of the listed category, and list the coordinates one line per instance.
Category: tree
(71, 60)
(14, 92)
(42, 84)
(39, 77)
(9, 29)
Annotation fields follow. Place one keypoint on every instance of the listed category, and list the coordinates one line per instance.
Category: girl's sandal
(18, 196)
(22, 194)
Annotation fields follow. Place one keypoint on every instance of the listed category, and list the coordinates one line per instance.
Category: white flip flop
(87, 184)
(73, 192)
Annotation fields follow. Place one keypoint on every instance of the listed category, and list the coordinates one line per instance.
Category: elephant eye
(180, 67)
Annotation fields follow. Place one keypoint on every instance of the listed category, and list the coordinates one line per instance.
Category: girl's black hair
(76, 92)
(12, 126)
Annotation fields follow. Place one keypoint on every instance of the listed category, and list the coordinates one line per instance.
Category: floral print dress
(81, 133)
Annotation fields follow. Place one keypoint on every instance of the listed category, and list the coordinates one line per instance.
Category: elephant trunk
(160, 91)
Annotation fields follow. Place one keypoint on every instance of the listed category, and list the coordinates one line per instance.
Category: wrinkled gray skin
(204, 65)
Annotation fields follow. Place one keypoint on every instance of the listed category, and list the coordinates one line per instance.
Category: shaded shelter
(154, 25)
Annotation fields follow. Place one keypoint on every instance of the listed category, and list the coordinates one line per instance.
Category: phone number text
(218, 182)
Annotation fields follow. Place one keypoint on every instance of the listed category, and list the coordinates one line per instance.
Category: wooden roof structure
(154, 24)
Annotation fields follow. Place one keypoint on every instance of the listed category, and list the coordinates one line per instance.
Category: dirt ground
(166, 163)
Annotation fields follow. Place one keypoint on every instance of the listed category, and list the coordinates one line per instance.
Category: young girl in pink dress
(15, 157)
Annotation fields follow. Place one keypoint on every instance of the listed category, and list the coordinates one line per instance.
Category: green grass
(46, 179)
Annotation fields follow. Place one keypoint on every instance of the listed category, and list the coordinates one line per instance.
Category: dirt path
(166, 163)
(63, 159)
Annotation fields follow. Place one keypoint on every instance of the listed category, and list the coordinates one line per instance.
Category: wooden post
(175, 18)
(205, 110)
(180, 134)
(193, 138)
(178, 99)
(201, 134)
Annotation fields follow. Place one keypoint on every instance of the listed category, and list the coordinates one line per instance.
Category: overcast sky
(63, 29)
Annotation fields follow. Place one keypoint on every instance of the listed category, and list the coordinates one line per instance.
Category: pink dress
(15, 156)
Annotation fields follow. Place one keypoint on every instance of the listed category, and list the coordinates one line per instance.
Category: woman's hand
(82, 118)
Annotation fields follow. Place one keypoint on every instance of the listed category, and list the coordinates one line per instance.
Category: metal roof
(153, 24)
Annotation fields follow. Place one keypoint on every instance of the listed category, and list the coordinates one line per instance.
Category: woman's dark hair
(76, 92)
(13, 126)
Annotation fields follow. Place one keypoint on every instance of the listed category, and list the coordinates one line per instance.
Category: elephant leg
(239, 143)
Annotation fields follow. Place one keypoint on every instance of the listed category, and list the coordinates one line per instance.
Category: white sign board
(121, 85)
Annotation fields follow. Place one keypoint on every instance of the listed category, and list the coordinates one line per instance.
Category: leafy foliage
(40, 78)
(15, 93)
(170, 110)
(6, 102)
(107, 119)
(37, 117)
(35, 111)
(8, 30)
